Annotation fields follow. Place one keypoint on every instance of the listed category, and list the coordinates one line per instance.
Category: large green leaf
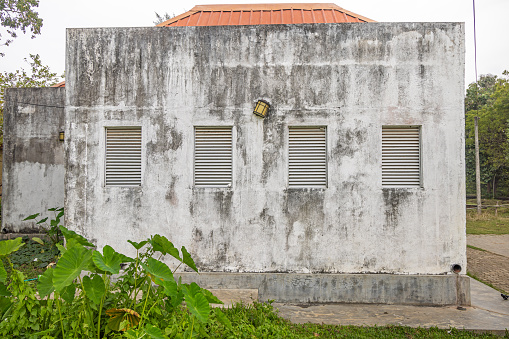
(197, 304)
(42, 221)
(68, 234)
(94, 288)
(188, 260)
(117, 315)
(110, 262)
(61, 248)
(3, 273)
(154, 332)
(9, 246)
(210, 297)
(70, 265)
(138, 245)
(172, 290)
(68, 293)
(157, 269)
(38, 240)
(45, 284)
(33, 216)
(5, 304)
(4, 292)
(161, 244)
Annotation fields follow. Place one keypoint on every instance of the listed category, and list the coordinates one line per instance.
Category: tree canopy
(16, 16)
(488, 99)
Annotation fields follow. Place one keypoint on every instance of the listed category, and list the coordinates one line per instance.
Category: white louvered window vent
(401, 156)
(213, 156)
(307, 157)
(123, 156)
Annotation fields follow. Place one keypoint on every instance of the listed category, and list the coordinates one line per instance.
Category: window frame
(133, 127)
(420, 155)
(325, 159)
(218, 127)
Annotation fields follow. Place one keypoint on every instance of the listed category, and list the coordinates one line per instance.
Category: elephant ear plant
(87, 296)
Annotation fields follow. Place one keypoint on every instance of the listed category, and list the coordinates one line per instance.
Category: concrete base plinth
(343, 288)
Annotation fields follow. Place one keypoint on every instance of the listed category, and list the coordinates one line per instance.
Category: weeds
(487, 222)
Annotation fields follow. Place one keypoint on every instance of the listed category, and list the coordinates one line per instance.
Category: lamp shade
(262, 108)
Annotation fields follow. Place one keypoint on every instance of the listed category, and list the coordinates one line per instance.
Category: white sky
(491, 21)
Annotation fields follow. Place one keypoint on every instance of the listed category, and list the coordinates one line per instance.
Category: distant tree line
(488, 99)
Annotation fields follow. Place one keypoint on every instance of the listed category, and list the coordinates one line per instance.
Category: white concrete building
(351, 189)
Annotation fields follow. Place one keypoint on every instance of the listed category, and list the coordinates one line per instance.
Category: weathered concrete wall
(352, 78)
(33, 159)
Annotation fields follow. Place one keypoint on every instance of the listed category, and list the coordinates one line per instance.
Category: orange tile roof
(60, 84)
(263, 14)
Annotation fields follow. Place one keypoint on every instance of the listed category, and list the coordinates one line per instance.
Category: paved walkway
(492, 264)
(489, 312)
(498, 244)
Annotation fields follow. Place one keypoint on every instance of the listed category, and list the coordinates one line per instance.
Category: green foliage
(9, 246)
(34, 253)
(52, 229)
(94, 288)
(70, 265)
(19, 15)
(488, 100)
(78, 299)
(110, 262)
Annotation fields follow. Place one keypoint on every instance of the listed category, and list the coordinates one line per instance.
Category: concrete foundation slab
(343, 288)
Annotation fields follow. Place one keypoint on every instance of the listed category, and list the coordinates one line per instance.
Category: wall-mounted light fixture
(61, 135)
(262, 108)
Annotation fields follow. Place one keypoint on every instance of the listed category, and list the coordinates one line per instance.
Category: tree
(38, 76)
(18, 15)
(162, 18)
(491, 105)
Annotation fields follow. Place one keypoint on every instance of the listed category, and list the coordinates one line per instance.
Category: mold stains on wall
(224, 203)
(267, 220)
(171, 195)
(39, 150)
(197, 234)
(349, 141)
(394, 201)
(167, 138)
(241, 141)
(175, 141)
(303, 207)
(273, 144)
(377, 81)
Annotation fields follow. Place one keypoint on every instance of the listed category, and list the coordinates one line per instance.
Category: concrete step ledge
(423, 290)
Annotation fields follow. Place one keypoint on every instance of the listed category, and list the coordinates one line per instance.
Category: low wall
(424, 290)
(33, 157)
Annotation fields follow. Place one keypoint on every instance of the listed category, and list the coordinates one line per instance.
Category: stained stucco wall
(352, 78)
(33, 157)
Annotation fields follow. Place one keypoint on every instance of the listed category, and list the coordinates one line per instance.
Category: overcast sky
(491, 21)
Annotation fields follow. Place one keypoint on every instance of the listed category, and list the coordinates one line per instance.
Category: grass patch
(476, 248)
(334, 331)
(261, 320)
(487, 222)
(473, 276)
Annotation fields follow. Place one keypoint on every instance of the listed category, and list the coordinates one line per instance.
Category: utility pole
(477, 167)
